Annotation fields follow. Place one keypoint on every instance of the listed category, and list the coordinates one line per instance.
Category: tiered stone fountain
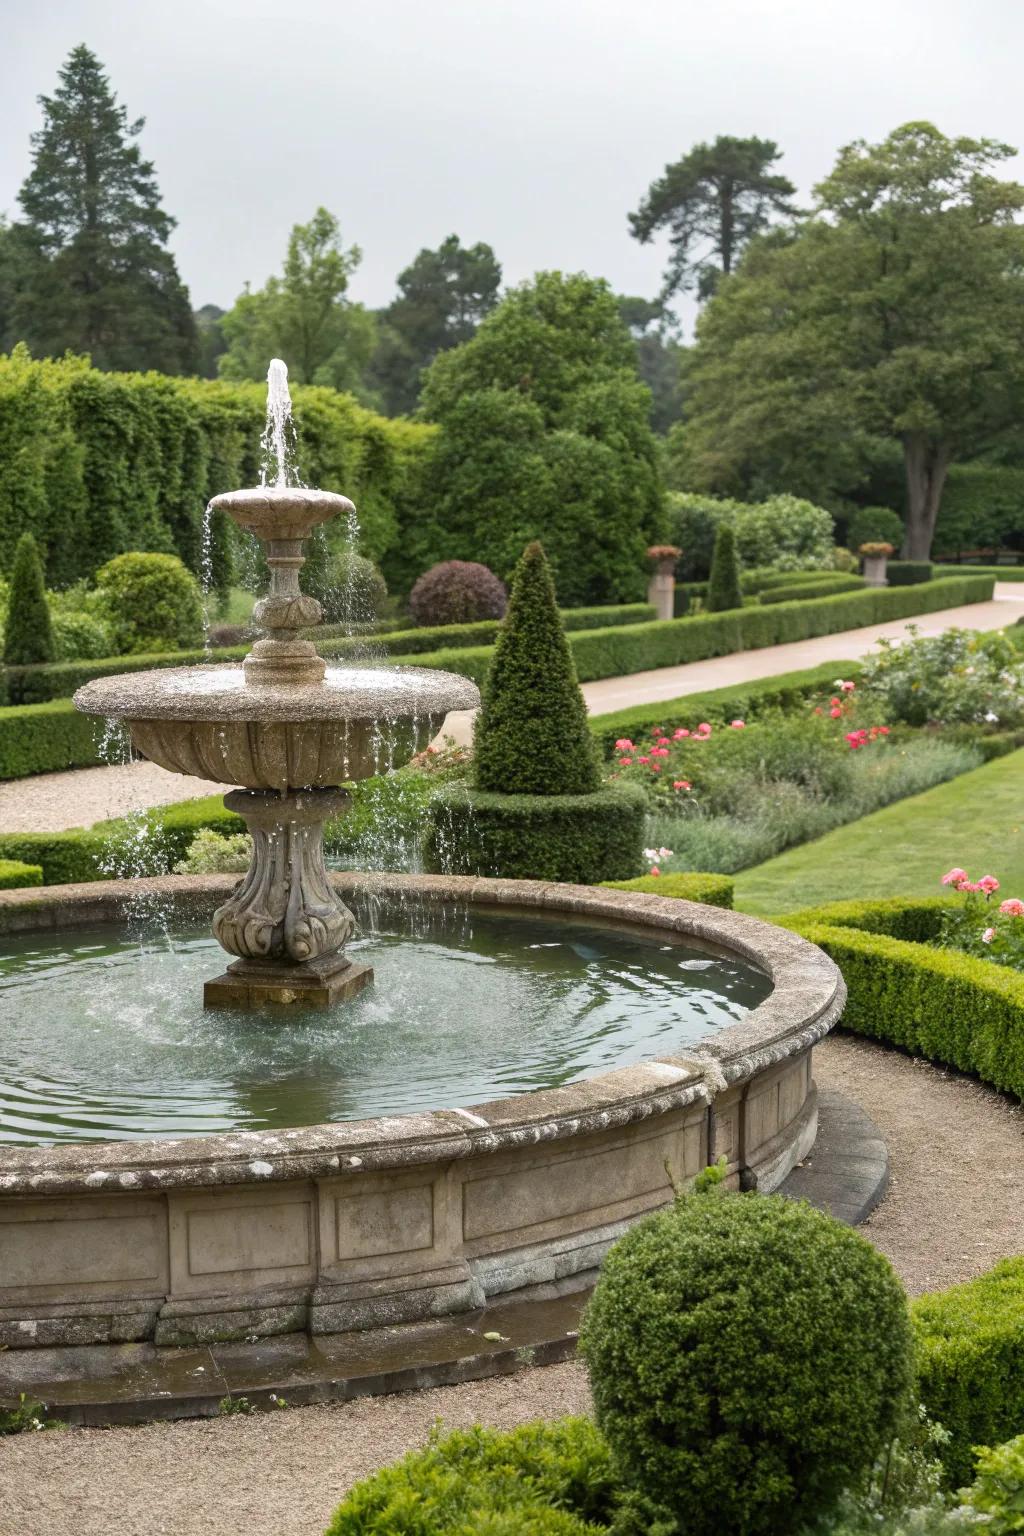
(293, 731)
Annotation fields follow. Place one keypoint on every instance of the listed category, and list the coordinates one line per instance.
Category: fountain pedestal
(284, 921)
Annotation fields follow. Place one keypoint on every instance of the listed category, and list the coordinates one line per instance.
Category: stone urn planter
(661, 588)
(876, 559)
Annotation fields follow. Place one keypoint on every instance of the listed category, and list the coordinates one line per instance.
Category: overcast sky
(533, 124)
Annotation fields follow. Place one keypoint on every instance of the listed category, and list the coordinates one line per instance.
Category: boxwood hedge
(14, 875)
(710, 890)
(46, 738)
(829, 585)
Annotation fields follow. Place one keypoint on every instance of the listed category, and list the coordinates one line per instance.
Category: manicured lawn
(237, 609)
(976, 821)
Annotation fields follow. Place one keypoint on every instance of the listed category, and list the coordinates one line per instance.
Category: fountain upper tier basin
(280, 511)
(212, 723)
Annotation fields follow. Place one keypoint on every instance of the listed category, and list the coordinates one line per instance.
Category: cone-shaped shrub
(532, 736)
(724, 583)
(28, 635)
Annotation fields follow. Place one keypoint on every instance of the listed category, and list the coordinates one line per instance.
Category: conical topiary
(724, 584)
(28, 634)
(532, 736)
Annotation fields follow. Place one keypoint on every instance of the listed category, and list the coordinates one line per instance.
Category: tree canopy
(303, 316)
(712, 202)
(896, 312)
(88, 265)
(442, 297)
(543, 432)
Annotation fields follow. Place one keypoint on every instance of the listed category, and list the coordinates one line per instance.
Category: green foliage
(970, 1362)
(46, 738)
(95, 274)
(544, 433)
(998, 1490)
(908, 573)
(710, 890)
(107, 850)
(543, 1479)
(531, 735)
(95, 464)
(14, 875)
(820, 354)
(713, 201)
(28, 1415)
(28, 635)
(442, 297)
(937, 1003)
(583, 839)
(211, 853)
(918, 919)
(826, 586)
(303, 316)
(79, 636)
(749, 1357)
(151, 602)
(349, 588)
(783, 533)
(875, 525)
(959, 676)
(724, 581)
(982, 508)
(457, 592)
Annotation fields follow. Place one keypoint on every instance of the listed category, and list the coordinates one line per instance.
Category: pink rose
(954, 877)
(703, 729)
(662, 741)
(680, 734)
(737, 725)
(1013, 907)
(988, 936)
(624, 744)
(624, 762)
(685, 784)
(988, 884)
(835, 712)
(643, 759)
(847, 687)
(654, 869)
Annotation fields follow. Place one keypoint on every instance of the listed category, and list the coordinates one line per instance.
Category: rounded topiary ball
(749, 1357)
(457, 592)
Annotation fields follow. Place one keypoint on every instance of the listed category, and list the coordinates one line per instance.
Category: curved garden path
(952, 1209)
(50, 802)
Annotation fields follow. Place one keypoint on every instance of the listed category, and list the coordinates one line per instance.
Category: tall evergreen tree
(98, 277)
(532, 736)
(712, 202)
(28, 634)
(724, 589)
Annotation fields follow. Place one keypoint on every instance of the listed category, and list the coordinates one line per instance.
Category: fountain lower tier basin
(522, 1179)
(209, 722)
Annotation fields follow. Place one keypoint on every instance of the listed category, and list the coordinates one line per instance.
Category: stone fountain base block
(250, 984)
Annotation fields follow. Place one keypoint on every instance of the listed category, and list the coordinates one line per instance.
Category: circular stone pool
(536, 1067)
(107, 1039)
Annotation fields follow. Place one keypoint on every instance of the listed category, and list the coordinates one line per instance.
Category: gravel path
(953, 1208)
(50, 802)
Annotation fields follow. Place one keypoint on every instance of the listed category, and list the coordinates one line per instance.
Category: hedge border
(709, 890)
(15, 876)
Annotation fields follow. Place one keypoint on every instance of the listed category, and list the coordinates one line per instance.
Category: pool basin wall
(373, 1223)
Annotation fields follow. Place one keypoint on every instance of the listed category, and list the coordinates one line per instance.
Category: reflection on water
(106, 1040)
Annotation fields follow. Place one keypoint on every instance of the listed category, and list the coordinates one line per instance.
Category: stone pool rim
(806, 1001)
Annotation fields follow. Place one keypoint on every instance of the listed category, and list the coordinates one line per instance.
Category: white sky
(532, 124)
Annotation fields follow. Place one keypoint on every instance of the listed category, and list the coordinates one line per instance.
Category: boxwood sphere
(748, 1357)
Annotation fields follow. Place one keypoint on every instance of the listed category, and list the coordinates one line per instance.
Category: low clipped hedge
(582, 839)
(542, 1479)
(828, 586)
(46, 738)
(970, 1363)
(951, 1008)
(738, 700)
(59, 680)
(112, 849)
(709, 890)
(14, 875)
(908, 573)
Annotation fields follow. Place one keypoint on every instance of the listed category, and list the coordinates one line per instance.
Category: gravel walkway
(953, 1208)
(50, 802)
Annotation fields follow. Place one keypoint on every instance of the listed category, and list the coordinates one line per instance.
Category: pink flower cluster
(655, 856)
(653, 757)
(988, 884)
(860, 738)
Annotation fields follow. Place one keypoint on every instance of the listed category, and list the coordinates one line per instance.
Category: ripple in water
(105, 1040)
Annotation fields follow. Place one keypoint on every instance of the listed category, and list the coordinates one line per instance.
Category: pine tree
(532, 736)
(724, 583)
(28, 636)
(100, 278)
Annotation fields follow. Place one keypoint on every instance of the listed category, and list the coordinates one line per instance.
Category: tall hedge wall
(96, 463)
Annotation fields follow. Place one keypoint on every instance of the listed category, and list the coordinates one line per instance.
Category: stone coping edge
(806, 1002)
